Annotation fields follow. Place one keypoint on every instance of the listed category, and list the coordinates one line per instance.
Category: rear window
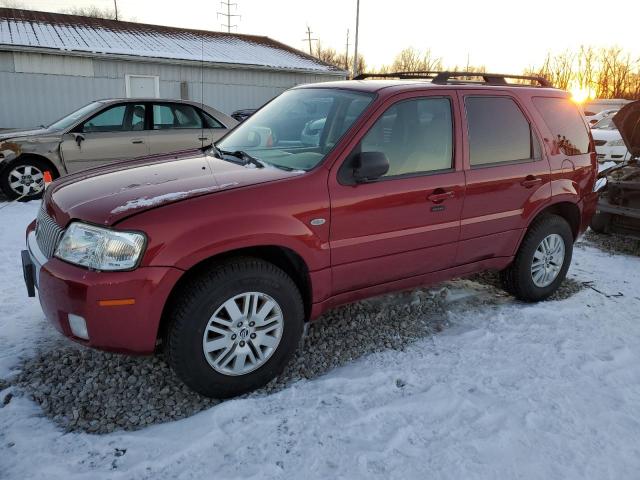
(565, 122)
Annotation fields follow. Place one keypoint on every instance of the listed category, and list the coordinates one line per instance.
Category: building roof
(95, 36)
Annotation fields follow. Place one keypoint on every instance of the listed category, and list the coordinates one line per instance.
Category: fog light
(78, 326)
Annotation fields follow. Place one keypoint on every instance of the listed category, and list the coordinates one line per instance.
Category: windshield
(72, 118)
(605, 124)
(299, 128)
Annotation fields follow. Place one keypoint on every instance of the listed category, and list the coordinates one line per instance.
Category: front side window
(566, 124)
(415, 135)
(299, 128)
(498, 132)
(120, 118)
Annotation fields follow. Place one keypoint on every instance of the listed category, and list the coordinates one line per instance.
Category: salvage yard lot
(460, 381)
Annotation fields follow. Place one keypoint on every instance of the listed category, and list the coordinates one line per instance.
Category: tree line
(609, 72)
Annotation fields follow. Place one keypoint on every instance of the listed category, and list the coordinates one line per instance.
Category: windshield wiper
(241, 155)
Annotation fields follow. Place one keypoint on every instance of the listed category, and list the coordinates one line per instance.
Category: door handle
(440, 195)
(202, 139)
(531, 181)
(137, 141)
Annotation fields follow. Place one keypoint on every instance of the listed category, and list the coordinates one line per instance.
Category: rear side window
(175, 116)
(498, 132)
(566, 124)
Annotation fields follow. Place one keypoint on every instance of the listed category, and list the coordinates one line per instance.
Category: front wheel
(542, 260)
(235, 328)
(23, 178)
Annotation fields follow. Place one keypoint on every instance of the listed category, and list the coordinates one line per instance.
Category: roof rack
(448, 78)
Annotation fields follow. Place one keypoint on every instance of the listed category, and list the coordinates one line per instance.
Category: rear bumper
(66, 289)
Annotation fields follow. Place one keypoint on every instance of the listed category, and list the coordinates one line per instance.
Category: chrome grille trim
(48, 233)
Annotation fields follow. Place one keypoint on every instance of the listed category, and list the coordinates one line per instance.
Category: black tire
(198, 301)
(22, 161)
(517, 278)
(600, 222)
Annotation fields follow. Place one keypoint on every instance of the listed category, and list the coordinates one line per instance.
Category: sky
(504, 36)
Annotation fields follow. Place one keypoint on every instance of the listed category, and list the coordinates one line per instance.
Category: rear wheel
(542, 260)
(235, 328)
(24, 178)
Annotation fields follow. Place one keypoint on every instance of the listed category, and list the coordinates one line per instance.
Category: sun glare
(581, 94)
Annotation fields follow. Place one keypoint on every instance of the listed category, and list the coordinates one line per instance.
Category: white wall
(40, 88)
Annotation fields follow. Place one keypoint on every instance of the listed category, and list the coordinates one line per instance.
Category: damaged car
(104, 132)
(618, 209)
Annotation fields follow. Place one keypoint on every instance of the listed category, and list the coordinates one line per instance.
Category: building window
(142, 86)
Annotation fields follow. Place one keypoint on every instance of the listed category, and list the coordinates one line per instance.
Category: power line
(309, 39)
(228, 15)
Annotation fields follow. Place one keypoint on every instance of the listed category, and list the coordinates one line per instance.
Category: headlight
(616, 143)
(100, 248)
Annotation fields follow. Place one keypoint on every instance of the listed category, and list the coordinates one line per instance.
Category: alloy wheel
(26, 180)
(243, 333)
(547, 260)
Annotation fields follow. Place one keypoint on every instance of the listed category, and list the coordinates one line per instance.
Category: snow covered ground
(546, 391)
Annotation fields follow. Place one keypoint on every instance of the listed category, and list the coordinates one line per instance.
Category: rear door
(116, 133)
(407, 222)
(507, 174)
(176, 126)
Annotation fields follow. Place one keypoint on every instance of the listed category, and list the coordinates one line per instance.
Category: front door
(116, 133)
(177, 127)
(407, 222)
(508, 175)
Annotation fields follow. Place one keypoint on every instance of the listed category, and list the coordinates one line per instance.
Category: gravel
(97, 392)
(612, 243)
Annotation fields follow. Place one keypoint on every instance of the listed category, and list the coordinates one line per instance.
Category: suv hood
(106, 195)
(628, 122)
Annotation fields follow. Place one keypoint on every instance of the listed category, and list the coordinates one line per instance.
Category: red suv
(329, 194)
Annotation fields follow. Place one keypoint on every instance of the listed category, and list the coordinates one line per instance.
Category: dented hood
(627, 121)
(106, 195)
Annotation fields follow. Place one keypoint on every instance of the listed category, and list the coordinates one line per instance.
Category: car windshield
(299, 128)
(72, 118)
(605, 124)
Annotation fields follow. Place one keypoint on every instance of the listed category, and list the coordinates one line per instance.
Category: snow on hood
(628, 122)
(10, 134)
(108, 194)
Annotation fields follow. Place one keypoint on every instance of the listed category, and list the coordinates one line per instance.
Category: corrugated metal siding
(6, 62)
(31, 99)
(52, 64)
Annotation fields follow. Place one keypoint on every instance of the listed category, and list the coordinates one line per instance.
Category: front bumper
(66, 289)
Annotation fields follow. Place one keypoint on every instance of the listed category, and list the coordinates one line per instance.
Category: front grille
(600, 143)
(48, 233)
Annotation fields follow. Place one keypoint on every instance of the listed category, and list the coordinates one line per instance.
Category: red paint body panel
(377, 237)
(63, 289)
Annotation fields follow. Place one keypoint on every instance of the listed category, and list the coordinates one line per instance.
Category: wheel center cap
(244, 333)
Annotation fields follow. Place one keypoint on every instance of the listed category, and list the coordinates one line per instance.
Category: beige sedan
(103, 132)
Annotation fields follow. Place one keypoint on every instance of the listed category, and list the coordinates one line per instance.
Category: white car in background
(596, 117)
(608, 141)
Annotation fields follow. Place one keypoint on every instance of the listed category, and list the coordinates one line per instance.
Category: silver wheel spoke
(243, 333)
(547, 260)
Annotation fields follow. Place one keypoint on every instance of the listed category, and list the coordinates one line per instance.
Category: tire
(32, 166)
(518, 279)
(600, 222)
(210, 293)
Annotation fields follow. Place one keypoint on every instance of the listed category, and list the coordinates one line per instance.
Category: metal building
(51, 64)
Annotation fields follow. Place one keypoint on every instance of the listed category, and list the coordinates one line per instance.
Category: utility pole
(228, 15)
(346, 55)
(309, 39)
(115, 6)
(355, 53)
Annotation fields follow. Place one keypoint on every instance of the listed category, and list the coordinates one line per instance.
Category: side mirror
(368, 166)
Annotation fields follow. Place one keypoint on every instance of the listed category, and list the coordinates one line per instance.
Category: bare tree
(331, 56)
(413, 60)
(93, 12)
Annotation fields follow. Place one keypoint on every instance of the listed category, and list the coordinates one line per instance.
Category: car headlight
(100, 248)
(616, 143)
